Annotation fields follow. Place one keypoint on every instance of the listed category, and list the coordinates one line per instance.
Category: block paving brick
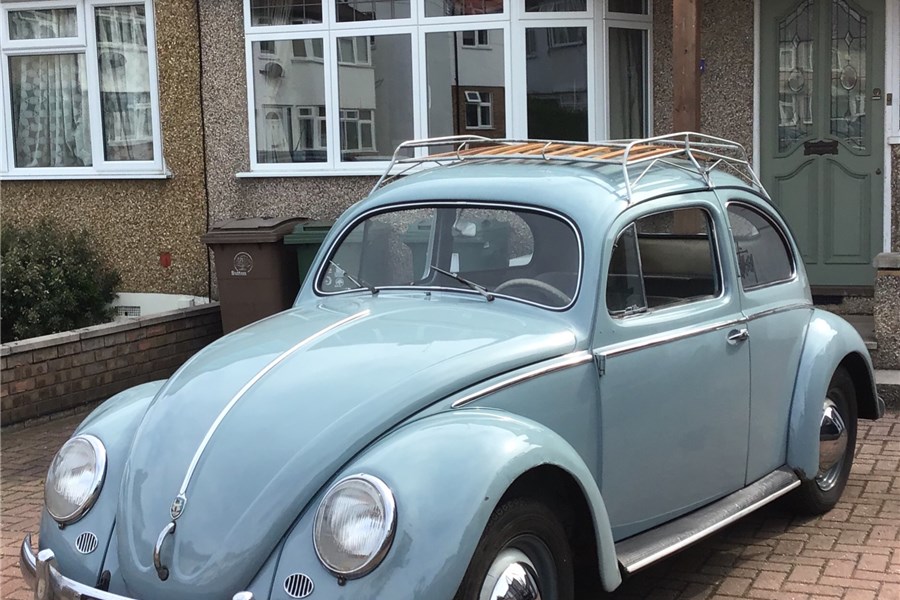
(852, 553)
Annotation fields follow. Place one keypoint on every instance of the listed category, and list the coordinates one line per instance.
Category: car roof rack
(701, 154)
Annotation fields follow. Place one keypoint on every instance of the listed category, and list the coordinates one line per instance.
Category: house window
(474, 39)
(82, 97)
(478, 110)
(380, 72)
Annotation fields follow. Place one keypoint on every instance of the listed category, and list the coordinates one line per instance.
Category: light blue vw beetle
(526, 372)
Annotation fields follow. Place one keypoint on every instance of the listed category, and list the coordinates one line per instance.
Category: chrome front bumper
(48, 583)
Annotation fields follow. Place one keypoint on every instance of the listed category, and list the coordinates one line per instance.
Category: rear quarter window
(763, 257)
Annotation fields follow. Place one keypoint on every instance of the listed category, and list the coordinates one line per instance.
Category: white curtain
(124, 83)
(49, 110)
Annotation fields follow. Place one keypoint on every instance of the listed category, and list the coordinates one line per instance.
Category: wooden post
(686, 78)
(686, 64)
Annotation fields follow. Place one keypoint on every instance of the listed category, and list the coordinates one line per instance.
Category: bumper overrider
(40, 573)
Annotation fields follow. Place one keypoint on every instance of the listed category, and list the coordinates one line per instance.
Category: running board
(641, 550)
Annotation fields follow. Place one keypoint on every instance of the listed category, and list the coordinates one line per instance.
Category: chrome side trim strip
(778, 309)
(556, 364)
(265, 370)
(665, 338)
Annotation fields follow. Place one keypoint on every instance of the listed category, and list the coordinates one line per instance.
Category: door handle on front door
(738, 335)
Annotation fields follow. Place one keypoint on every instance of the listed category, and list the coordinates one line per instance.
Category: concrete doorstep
(888, 383)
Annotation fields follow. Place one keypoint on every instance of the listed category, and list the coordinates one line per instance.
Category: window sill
(119, 175)
(893, 140)
(324, 172)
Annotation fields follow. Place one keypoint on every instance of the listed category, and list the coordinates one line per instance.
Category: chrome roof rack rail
(703, 153)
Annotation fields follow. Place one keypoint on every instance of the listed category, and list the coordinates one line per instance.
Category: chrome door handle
(738, 335)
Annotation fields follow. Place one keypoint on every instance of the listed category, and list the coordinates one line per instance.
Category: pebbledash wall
(135, 220)
(61, 372)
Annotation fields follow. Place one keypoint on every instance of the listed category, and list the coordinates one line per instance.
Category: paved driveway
(851, 553)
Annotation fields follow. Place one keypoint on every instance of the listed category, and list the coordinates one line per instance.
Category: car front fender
(830, 341)
(447, 473)
(114, 423)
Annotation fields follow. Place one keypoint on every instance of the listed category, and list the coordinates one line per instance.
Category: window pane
(124, 83)
(624, 283)
(42, 24)
(448, 8)
(380, 89)
(50, 120)
(762, 254)
(371, 10)
(627, 83)
(285, 12)
(557, 84)
(453, 69)
(555, 6)
(289, 101)
(635, 7)
(677, 257)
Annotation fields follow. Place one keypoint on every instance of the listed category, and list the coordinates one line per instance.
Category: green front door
(822, 128)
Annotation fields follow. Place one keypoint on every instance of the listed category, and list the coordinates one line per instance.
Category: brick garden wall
(63, 371)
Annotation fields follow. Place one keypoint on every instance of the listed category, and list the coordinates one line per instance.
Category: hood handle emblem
(178, 506)
(161, 570)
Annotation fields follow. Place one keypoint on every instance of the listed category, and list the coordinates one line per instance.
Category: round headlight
(355, 525)
(74, 479)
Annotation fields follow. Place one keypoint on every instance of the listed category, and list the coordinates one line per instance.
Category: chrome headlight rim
(99, 477)
(389, 507)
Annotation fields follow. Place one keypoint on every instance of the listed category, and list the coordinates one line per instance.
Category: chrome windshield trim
(262, 373)
(556, 364)
(322, 266)
(665, 338)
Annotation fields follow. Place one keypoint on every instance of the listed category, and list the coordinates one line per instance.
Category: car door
(777, 307)
(674, 366)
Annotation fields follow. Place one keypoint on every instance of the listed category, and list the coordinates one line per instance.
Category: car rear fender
(830, 342)
(114, 423)
(447, 473)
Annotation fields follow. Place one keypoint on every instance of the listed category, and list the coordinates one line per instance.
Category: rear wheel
(837, 442)
(524, 554)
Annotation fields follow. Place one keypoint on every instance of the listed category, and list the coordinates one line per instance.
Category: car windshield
(493, 251)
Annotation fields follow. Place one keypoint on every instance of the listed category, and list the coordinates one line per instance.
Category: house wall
(136, 220)
(726, 40)
(225, 111)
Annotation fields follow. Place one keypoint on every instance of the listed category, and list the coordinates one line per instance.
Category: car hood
(269, 413)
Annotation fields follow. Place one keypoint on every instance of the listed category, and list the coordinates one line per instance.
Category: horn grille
(298, 585)
(86, 542)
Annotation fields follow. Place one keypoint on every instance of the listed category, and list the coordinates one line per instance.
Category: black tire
(528, 526)
(810, 497)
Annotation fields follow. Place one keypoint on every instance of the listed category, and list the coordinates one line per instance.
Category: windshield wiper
(480, 289)
(360, 283)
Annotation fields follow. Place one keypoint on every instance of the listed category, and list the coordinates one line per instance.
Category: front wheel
(837, 442)
(524, 554)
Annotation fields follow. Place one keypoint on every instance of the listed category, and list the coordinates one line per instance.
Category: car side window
(762, 254)
(663, 259)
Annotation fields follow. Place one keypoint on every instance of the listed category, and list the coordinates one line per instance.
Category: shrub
(50, 281)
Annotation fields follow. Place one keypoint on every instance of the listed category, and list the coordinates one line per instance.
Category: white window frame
(478, 99)
(513, 22)
(476, 42)
(85, 44)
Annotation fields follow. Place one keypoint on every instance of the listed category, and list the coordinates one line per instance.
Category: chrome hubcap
(832, 446)
(512, 576)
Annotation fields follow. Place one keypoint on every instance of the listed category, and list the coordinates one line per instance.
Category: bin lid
(310, 232)
(259, 230)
